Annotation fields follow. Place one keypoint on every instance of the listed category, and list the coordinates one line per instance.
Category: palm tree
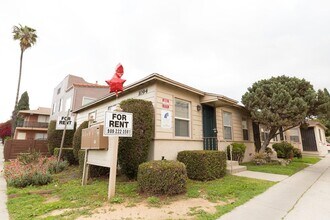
(27, 37)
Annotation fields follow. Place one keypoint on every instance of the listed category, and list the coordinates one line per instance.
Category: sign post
(62, 124)
(116, 124)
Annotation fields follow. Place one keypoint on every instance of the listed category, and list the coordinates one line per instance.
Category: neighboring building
(313, 139)
(74, 92)
(185, 118)
(34, 126)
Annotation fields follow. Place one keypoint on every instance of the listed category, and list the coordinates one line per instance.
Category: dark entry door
(210, 140)
(308, 139)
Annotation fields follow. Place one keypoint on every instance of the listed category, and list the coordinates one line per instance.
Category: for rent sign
(118, 124)
(60, 123)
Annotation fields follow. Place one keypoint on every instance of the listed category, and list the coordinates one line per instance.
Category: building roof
(313, 123)
(39, 111)
(87, 85)
(153, 77)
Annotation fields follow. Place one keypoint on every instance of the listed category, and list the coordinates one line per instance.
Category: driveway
(304, 195)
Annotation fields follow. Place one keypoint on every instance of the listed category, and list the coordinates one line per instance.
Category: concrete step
(232, 162)
(235, 169)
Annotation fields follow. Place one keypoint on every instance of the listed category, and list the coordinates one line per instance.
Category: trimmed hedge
(76, 143)
(94, 171)
(284, 150)
(297, 153)
(204, 165)
(55, 137)
(67, 154)
(134, 151)
(162, 177)
(238, 151)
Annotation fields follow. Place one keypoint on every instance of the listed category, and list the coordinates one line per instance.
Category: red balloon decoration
(116, 83)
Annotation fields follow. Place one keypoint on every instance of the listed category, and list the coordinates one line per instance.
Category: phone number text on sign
(118, 124)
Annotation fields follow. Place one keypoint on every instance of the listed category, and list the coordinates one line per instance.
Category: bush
(204, 165)
(134, 151)
(76, 143)
(163, 177)
(37, 172)
(54, 137)
(238, 151)
(67, 154)
(94, 171)
(260, 158)
(26, 158)
(297, 153)
(283, 150)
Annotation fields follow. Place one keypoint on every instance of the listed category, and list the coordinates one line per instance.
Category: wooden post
(85, 170)
(62, 142)
(113, 146)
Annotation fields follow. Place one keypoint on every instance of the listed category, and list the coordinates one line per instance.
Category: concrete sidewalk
(304, 195)
(3, 188)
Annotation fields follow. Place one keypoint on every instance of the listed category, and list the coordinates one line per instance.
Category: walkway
(3, 187)
(262, 176)
(304, 195)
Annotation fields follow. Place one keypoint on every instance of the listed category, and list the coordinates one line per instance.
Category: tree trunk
(256, 136)
(13, 126)
(271, 135)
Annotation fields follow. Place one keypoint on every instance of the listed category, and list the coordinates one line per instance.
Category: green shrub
(283, 150)
(204, 165)
(94, 171)
(67, 154)
(76, 143)
(162, 177)
(297, 153)
(134, 151)
(238, 151)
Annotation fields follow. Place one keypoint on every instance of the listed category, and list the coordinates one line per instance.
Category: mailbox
(92, 138)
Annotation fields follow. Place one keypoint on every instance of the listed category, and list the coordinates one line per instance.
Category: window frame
(224, 126)
(182, 119)
(247, 129)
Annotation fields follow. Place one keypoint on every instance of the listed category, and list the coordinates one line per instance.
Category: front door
(210, 141)
(308, 139)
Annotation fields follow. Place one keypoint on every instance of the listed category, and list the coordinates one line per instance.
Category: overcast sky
(215, 46)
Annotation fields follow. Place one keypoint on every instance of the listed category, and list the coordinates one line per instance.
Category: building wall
(237, 130)
(320, 140)
(81, 92)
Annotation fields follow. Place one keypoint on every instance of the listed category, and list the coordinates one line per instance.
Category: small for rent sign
(60, 123)
(118, 124)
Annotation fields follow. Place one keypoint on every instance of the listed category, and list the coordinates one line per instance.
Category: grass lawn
(66, 193)
(295, 166)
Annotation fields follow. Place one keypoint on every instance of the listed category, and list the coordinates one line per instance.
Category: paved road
(3, 196)
(303, 196)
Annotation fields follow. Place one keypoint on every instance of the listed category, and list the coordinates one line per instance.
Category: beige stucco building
(187, 118)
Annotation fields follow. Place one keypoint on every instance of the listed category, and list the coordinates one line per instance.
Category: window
(68, 104)
(40, 136)
(43, 118)
(87, 100)
(245, 129)
(294, 135)
(227, 126)
(60, 106)
(58, 90)
(92, 116)
(54, 108)
(182, 118)
(320, 134)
